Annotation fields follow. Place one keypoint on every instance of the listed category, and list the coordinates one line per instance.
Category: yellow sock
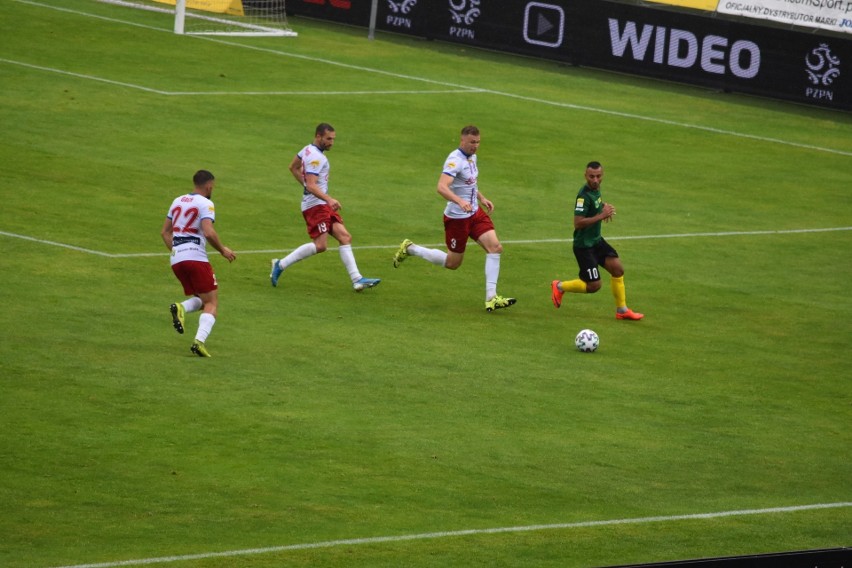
(617, 285)
(574, 286)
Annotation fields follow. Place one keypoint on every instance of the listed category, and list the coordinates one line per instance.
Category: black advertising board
(676, 46)
(528, 28)
(535, 29)
(355, 12)
(719, 54)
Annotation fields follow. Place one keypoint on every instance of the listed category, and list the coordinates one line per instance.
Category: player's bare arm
(444, 191)
(167, 233)
(485, 202)
(296, 169)
(313, 187)
(606, 214)
(213, 238)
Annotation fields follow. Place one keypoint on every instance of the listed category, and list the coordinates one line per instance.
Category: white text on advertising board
(464, 13)
(399, 13)
(681, 48)
(822, 68)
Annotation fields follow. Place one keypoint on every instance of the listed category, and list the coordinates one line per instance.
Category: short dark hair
(322, 128)
(593, 166)
(470, 129)
(201, 177)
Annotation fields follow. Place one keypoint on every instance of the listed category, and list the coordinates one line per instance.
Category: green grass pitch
(406, 416)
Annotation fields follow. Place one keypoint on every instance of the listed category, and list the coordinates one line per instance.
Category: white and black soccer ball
(587, 341)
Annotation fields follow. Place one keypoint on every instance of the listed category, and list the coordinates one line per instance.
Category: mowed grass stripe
(467, 532)
(537, 100)
(393, 246)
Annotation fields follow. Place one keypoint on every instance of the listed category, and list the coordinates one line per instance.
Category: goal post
(231, 17)
(221, 17)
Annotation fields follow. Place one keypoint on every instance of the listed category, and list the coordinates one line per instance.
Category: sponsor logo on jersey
(580, 202)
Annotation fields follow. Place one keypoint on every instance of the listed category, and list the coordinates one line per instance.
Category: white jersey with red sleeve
(464, 171)
(186, 214)
(315, 163)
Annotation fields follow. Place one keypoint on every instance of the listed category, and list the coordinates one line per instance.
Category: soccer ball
(587, 341)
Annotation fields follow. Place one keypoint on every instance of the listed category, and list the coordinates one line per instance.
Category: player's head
(594, 174)
(204, 182)
(469, 141)
(324, 136)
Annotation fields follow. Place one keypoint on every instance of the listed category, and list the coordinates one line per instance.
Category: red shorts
(319, 220)
(456, 231)
(196, 276)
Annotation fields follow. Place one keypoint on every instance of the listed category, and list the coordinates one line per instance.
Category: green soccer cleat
(178, 313)
(401, 253)
(498, 302)
(199, 349)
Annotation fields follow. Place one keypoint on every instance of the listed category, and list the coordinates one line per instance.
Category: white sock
(492, 272)
(348, 258)
(205, 326)
(301, 253)
(435, 256)
(192, 304)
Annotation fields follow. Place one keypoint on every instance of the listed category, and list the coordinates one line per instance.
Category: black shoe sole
(175, 321)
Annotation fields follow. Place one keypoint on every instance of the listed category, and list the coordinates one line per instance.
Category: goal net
(221, 17)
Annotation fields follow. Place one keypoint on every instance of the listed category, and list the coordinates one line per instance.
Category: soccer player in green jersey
(591, 250)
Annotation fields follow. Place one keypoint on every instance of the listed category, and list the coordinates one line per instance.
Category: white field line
(468, 532)
(512, 242)
(55, 244)
(321, 93)
(536, 100)
(234, 93)
(83, 76)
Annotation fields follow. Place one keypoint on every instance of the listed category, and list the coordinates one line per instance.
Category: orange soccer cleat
(556, 296)
(629, 315)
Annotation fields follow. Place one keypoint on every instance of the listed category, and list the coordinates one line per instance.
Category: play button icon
(543, 24)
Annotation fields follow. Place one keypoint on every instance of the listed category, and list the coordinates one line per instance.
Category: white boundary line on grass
(233, 93)
(515, 242)
(83, 76)
(468, 532)
(56, 244)
(465, 88)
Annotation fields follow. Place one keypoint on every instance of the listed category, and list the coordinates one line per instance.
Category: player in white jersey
(186, 231)
(463, 219)
(320, 210)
